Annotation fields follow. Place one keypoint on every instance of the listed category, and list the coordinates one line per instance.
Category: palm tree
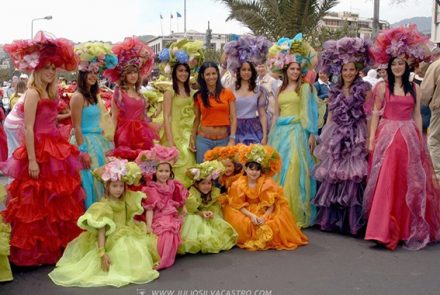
(277, 18)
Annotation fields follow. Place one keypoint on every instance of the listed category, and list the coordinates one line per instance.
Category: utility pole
(184, 16)
(208, 37)
(376, 18)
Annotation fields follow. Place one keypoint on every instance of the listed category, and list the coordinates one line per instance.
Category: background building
(364, 26)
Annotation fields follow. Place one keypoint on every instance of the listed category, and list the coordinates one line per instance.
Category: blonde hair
(36, 83)
(127, 70)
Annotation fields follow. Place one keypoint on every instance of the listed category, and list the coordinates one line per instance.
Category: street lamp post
(49, 17)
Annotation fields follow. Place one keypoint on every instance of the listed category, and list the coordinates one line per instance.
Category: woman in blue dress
(87, 110)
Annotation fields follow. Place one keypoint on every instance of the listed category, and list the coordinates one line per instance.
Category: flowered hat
(223, 153)
(346, 50)
(404, 42)
(265, 155)
(131, 52)
(248, 48)
(29, 55)
(148, 160)
(183, 51)
(286, 51)
(95, 57)
(206, 170)
(117, 169)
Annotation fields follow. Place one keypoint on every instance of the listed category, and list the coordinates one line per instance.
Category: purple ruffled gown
(343, 162)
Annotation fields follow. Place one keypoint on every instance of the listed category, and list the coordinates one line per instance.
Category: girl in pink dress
(45, 199)
(402, 195)
(134, 131)
(165, 202)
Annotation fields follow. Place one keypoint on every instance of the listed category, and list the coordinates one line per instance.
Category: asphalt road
(330, 264)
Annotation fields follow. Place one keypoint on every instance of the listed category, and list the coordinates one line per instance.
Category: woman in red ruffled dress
(45, 199)
(402, 197)
(134, 130)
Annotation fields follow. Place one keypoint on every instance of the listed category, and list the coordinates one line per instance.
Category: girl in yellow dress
(115, 249)
(262, 218)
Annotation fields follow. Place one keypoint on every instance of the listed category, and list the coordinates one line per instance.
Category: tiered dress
(205, 235)
(134, 130)
(132, 252)
(279, 232)
(182, 115)
(165, 200)
(298, 119)
(97, 146)
(343, 166)
(43, 212)
(402, 199)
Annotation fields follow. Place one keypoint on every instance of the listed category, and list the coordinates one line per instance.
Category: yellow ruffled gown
(205, 235)
(132, 252)
(182, 114)
(279, 232)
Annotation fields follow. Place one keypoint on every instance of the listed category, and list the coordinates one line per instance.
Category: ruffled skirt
(132, 137)
(132, 254)
(249, 131)
(342, 171)
(43, 212)
(206, 235)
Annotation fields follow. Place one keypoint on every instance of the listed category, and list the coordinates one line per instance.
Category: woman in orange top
(215, 121)
(262, 216)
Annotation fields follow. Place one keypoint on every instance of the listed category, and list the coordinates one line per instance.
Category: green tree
(277, 18)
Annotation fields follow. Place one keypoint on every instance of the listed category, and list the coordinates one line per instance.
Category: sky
(109, 20)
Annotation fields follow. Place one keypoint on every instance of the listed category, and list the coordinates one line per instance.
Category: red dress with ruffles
(43, 212)
(134, 133)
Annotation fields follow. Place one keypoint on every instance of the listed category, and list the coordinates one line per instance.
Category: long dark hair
(91, 96)
(252, 80)
(176, 81)
(204, 92)
(286, 79)
(407, 85)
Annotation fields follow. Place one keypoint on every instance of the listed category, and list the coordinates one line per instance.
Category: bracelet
(83, 148)
(232, 136)
(101, 252)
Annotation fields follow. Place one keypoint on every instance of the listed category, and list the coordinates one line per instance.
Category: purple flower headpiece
(248, 48)
(336, 53)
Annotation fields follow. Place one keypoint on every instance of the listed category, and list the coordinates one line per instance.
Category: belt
(210, 136)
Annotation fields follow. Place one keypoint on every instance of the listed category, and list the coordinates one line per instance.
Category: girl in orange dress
(263, 219)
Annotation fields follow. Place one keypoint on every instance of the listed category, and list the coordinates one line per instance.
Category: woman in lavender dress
(342, 149)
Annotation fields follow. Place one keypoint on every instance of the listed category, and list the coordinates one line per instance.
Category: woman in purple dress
(342, 145)
(251, 100)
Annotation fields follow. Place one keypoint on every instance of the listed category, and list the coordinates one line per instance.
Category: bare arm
(30, 110)
(76, 106)
(417, 114)
(376, 115)
(105, 260)
(276, 113)
(192, 141)
(233, 119)
(149, 219)
(263, 121)
(115, 112)
(167, 106)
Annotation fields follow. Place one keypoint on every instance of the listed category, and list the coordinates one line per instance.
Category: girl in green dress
(114, 249)
(204, 229)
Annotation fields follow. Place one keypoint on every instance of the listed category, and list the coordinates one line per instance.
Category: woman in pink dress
(134, 130)
(402, 196)
(3, 141)
(45, 199)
